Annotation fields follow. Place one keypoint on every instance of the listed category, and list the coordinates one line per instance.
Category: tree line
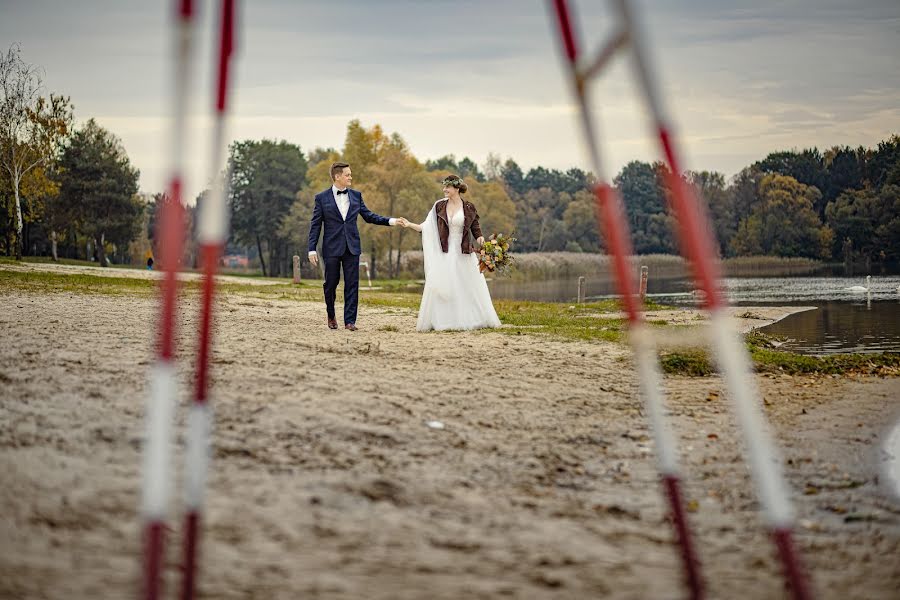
(842, 204)
(73, 192)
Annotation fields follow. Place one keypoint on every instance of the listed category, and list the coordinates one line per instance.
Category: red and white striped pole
(734, 363)
(212, 232)
(163, 383)
(611, 215)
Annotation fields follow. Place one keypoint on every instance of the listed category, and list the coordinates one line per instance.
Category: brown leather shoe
(332, 324)
(350, 326)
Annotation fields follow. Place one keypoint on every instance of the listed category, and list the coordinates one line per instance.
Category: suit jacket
(471, 224)
(340, 235)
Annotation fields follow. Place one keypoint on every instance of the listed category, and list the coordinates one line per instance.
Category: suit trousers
(349, 263)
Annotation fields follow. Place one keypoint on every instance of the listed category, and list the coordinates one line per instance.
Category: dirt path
(328, 483)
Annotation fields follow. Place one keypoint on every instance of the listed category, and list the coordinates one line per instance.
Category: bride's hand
(480, 241)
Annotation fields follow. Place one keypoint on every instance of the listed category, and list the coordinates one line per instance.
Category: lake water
(843, 321)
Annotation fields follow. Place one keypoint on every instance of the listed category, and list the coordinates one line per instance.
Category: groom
(337, 208)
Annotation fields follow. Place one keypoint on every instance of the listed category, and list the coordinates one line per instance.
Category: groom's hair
(337, 168)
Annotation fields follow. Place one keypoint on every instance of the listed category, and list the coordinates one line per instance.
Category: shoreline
(745, 318)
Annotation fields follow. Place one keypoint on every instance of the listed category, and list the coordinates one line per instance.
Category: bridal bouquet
(494, 254)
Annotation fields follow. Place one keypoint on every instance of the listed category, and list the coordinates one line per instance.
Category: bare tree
(492, 167)
(31, 127)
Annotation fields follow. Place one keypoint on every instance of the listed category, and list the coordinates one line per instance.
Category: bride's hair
(457, 182)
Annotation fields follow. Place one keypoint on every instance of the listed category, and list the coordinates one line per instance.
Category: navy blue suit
(340, 246)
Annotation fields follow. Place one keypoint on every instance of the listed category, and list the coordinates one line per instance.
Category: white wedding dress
(456, 295)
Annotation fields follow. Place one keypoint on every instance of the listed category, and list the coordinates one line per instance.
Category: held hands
(405, 223)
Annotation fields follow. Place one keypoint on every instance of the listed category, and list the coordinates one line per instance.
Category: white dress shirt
(342, 200)
(343, 204)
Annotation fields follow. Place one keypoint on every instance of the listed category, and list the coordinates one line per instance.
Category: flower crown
(452, 180)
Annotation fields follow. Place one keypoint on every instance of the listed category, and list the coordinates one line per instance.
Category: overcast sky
(462, 77)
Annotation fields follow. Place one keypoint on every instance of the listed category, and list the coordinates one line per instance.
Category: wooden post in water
(645, 275)
(581, 289)
(296, 269)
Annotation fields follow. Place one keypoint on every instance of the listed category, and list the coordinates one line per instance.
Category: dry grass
(770, 266)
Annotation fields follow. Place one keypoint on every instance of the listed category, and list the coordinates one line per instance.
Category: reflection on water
(842, 327)
(846, 320)
(811, 289)
(679, 290)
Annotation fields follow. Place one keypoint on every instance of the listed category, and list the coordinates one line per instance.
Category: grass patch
(694, 363)
(405, 286)
(768, 359)
(43, 282)
(574, 322)
(64, 261)
(283, 291)
(78, 283)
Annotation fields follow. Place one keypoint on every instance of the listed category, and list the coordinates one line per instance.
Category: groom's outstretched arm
(315, 228)
(370, 217)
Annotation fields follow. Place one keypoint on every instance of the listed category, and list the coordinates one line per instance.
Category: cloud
(467, 77)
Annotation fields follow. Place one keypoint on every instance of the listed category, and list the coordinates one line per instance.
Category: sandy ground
(328, 483)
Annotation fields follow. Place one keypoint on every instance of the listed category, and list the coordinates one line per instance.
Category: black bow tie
(341, 192)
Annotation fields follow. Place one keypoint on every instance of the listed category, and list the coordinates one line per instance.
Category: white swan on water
(858, 289)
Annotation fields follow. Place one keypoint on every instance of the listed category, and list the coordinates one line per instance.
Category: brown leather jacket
(470, 224)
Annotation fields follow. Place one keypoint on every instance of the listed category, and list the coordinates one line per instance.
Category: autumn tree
(581, 222)
(496, 210)
(535, 219)
(32, 129)
(361, 148)
(806, 166)
(784, 222)
(393, 184)
(397, 185)
(414, 201)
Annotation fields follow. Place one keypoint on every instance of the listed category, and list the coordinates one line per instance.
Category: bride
(456, 295)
